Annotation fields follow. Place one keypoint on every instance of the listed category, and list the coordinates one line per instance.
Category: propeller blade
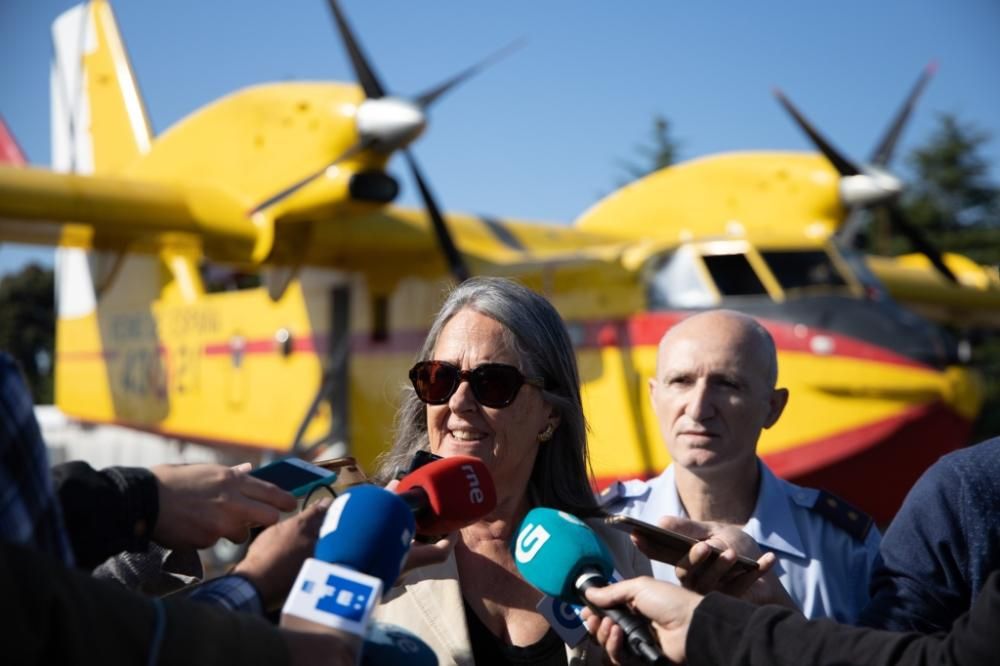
(455, 262)
(883, 153)
(302, 182)
(840, 162)
(366, 75)
(920, 242)
(428, 97)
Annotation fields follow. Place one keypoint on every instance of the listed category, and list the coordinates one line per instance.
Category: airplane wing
(971, 302)
(36, 205)
(401, 241)
(105, 212)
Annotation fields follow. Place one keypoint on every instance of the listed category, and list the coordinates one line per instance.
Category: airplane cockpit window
(796, 269)
(218, 278)
(733, 275)
(675, 282)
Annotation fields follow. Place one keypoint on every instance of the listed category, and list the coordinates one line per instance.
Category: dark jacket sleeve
(54, 615)
(728, 631)
(106, 512)
(920, 582)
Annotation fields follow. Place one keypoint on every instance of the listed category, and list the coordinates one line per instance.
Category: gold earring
(546, 434)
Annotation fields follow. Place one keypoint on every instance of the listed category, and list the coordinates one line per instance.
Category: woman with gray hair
(497, 379)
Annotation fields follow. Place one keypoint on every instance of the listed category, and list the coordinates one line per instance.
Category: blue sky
(540, 135)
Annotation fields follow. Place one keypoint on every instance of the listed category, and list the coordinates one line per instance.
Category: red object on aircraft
(10, 152)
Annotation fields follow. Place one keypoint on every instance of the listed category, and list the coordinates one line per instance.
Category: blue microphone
(365, 537)
(561, 556)
(391, 644)
(369, 529)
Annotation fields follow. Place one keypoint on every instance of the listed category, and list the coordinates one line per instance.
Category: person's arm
(718, 629)
(105, 512)
(199, 504)
(54, 615)
(177, 506)
(920, 581)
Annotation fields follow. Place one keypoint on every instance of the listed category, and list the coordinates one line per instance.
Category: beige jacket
(429, 604)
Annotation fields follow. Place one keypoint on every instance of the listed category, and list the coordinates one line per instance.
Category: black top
(106, 512)
(490, 650)
(725, 630)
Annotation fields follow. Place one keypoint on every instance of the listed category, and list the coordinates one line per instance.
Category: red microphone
(448, 494)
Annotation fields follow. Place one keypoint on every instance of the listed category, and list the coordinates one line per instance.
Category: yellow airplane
(243, 280)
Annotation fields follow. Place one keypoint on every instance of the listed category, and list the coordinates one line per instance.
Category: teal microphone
(561, 556)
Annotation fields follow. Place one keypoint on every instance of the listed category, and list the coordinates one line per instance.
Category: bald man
(713, 394)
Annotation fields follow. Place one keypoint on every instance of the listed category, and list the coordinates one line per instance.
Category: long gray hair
(536, 333)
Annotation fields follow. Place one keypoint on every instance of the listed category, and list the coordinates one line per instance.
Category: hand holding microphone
(668, 606)
(561, 556)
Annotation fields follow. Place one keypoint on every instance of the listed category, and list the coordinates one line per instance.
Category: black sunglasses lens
(434, 382)
(496, 385)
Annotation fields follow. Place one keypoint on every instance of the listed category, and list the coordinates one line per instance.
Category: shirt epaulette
(618, 494)
(849, 518)
(611, 494)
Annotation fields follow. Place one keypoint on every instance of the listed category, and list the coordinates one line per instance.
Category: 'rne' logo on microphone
(475, 492)
(529, 542)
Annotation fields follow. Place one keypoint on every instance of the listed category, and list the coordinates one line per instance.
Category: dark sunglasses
(493, 384)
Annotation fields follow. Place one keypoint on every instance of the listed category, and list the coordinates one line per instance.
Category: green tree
(661, 151)
(27, 326)
(950, 196)
(951, 190)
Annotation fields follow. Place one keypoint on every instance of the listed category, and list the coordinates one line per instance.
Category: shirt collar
(663, 498)
(772, 523)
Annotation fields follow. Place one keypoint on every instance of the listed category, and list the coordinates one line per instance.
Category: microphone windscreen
(368, 529)
(553, 548)
(459, 492)
(391, 644)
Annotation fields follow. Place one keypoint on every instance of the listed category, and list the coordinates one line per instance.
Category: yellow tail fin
(99, 122)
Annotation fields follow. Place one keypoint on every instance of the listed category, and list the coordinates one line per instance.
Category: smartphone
(348, 471)
(675, 544)
(295, 475)
(420, 458)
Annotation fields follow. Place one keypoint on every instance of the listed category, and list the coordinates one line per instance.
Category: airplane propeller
(873, 184)
(882, 154)
(386, 123)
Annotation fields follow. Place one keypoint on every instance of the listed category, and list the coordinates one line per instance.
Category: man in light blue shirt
(713, 393)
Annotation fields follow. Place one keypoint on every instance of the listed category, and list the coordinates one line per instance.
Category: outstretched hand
(199, 504)
(704, 568)
(274, 558)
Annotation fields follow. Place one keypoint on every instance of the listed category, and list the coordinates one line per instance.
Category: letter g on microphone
(529, 542)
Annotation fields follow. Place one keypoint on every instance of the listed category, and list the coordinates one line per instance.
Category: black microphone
(637, 633)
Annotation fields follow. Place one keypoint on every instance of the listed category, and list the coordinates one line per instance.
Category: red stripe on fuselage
(641, 330)
(646, 330)
(307, 345)
(872, 466)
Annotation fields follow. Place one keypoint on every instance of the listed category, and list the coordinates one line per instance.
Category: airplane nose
(874, 186)
(390, 123)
